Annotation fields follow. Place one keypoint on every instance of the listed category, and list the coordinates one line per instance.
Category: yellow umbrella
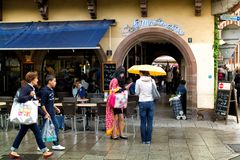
(153, 70)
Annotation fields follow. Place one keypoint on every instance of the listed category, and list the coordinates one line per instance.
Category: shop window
(10, 74)
(69, 66)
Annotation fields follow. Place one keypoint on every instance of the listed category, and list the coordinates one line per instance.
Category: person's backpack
(82, 92)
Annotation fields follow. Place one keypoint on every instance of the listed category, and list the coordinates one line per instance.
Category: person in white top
(143, 89)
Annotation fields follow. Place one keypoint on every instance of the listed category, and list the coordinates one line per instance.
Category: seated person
(79, 90)
(76, 87)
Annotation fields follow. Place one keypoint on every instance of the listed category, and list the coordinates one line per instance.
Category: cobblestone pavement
(172, 139)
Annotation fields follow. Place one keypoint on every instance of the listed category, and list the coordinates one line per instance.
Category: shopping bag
(155, 93)
(48, 132)
(60, 121)
(24, 113)
(121, 99)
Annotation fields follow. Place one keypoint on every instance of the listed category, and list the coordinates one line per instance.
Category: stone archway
(158, 34)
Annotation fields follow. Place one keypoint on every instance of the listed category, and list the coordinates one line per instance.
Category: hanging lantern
(231, 34)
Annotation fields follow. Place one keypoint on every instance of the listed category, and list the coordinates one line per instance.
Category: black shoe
(116, 138)
(123, 137)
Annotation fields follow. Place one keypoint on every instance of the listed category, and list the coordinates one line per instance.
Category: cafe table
(79, 105)
(84, 106)
(84, 100)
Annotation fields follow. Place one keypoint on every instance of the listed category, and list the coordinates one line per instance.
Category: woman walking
(143, 89)
(28, 93)
(114, 116)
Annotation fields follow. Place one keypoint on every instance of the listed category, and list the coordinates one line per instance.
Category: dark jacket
(181, 89)
(25, 96)
(47, 100)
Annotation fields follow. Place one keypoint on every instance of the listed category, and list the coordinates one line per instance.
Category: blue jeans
(56, 125)
(146, 110)
(22, 132)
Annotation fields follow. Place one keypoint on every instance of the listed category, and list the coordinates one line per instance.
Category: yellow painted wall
(179, 12)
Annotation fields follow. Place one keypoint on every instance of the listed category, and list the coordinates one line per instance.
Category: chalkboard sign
(222, 102)
(107, 72)
(226, 102)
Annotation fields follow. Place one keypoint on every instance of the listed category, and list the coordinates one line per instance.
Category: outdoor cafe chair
(130, 114)
(134, 98)
(61, 95)
(5, 113)
(100, 115)
(95, 95)
(5, 109)
(69, 108)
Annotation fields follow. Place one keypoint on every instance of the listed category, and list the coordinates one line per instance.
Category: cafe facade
(69, 38)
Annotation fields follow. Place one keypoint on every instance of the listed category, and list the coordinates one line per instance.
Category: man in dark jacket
(47, 103)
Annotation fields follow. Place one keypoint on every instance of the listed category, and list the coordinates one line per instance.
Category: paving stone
(172, 139)
(180, 156)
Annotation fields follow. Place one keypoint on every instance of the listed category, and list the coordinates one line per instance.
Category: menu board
(108, 70)
(226, 102)
(222, 103)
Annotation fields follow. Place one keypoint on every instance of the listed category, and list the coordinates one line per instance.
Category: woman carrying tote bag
(27, 93)
(145, 88)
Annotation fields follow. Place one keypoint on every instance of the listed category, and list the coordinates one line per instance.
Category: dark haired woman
(28, 93)
(114, 116)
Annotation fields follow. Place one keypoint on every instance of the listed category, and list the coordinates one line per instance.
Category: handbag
(121, 99)
(24, 113)
(155, 93)
(48, 132)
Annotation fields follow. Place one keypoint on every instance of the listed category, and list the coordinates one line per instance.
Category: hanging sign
(228, 17)
(144, 23)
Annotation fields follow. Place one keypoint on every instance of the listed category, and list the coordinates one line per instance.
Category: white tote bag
(24, 113)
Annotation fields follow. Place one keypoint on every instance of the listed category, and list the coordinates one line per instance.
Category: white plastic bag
(48, 132)
(24, 113)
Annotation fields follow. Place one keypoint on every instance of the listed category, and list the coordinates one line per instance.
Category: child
(181, 90)
(47, 103)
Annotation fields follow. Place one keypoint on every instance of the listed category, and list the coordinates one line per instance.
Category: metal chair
(134, 98)
(69, 108)
(100, 115)
(69, 99)
(9, 103)
(130, 113)
(95, 95)
(61, 95)
(95, 100)
(5, 109)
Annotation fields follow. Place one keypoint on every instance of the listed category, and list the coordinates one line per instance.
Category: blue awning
(52, 35)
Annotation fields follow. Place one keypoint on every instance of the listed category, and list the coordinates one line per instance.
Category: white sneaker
(58, 147)
(40, 149)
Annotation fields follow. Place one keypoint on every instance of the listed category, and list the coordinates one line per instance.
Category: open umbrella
(153, 70)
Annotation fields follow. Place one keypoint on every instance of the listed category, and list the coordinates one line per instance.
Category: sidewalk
(172, 139)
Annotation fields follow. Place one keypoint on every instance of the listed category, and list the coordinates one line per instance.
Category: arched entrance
(159, 34)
